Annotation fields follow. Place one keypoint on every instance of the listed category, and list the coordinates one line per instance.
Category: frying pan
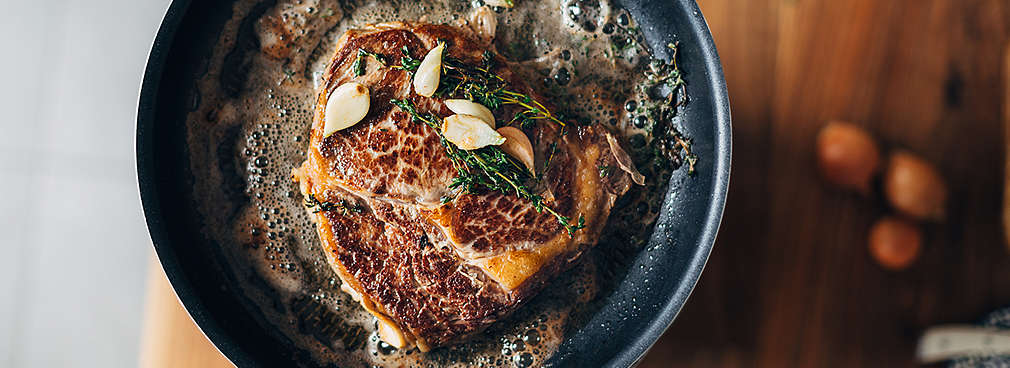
(660, 278)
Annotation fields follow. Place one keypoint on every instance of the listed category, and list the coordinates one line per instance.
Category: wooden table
(790, 282)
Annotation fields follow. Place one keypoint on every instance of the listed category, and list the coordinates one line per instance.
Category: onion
(895, 243)
(847, 156)
(914, 187)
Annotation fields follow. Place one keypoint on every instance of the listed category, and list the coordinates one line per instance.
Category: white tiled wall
(73, 241)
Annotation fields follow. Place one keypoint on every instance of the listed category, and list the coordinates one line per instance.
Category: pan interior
(220, 127)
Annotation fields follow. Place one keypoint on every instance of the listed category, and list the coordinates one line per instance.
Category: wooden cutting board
(170, 338)
(790, 282)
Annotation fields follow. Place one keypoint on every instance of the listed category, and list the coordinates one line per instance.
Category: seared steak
(432, 264)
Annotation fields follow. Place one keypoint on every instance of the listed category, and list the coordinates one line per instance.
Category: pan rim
(723, 166)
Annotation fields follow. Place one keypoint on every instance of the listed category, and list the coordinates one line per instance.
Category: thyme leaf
(550, 156)
(316, 206)
(289, 76)
(605, 170)
(668, 142)
(407, 62)
(479, 83)
(358, 67)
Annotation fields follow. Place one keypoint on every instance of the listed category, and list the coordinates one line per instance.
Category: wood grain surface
(790, 282)
(170, 337)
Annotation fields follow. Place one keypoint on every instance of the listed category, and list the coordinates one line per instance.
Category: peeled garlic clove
(429, 72)
(501, 3)
(467, 107)
(391, 334)
(469, 132)
(346, 106)
(518, 145)
(484, 22)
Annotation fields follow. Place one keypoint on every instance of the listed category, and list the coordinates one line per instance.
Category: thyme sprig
(473, 82)
(316, 206)
(488, 168)
(479, 83)
(672, 144)
(551, 150)
(407, 62)
(668, 73)
(358, 67)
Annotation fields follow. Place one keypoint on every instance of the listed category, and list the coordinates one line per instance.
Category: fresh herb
(605, 170)
(668, 142)
(668, 74)
(480, 84)
(312, 203)
(488, 168)
(407, 62)
(550, 156)
(289, 76)
(328, 13)
(359, 62)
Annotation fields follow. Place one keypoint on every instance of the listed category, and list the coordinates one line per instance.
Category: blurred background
(75, 243)
(792, 280)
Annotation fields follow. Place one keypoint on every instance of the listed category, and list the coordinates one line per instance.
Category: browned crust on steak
(442, 271)
(421, 286)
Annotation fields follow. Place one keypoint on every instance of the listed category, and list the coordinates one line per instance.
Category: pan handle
(955, 341)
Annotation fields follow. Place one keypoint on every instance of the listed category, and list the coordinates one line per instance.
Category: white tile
(85, 269)
(73, 293)
(95, 92)
(15, 215)
(29, 28)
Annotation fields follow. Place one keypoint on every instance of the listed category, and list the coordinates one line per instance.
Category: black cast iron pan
(682, 240)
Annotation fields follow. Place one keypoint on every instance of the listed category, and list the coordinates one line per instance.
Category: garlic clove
(484, 22)
(501, 3)
(391, 334)
(469, 132)
(518, 145)
(429, 72)
(467, 107)
(346, 106)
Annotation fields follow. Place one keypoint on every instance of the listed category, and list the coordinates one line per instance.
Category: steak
(436, 264)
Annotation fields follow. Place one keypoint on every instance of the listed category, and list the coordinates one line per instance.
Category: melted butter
(251, 125)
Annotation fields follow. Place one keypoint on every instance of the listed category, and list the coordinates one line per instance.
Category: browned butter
(250, 128)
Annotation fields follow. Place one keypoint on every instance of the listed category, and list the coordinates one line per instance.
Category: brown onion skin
(895, 243)
(847, 156)
(914, 187)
